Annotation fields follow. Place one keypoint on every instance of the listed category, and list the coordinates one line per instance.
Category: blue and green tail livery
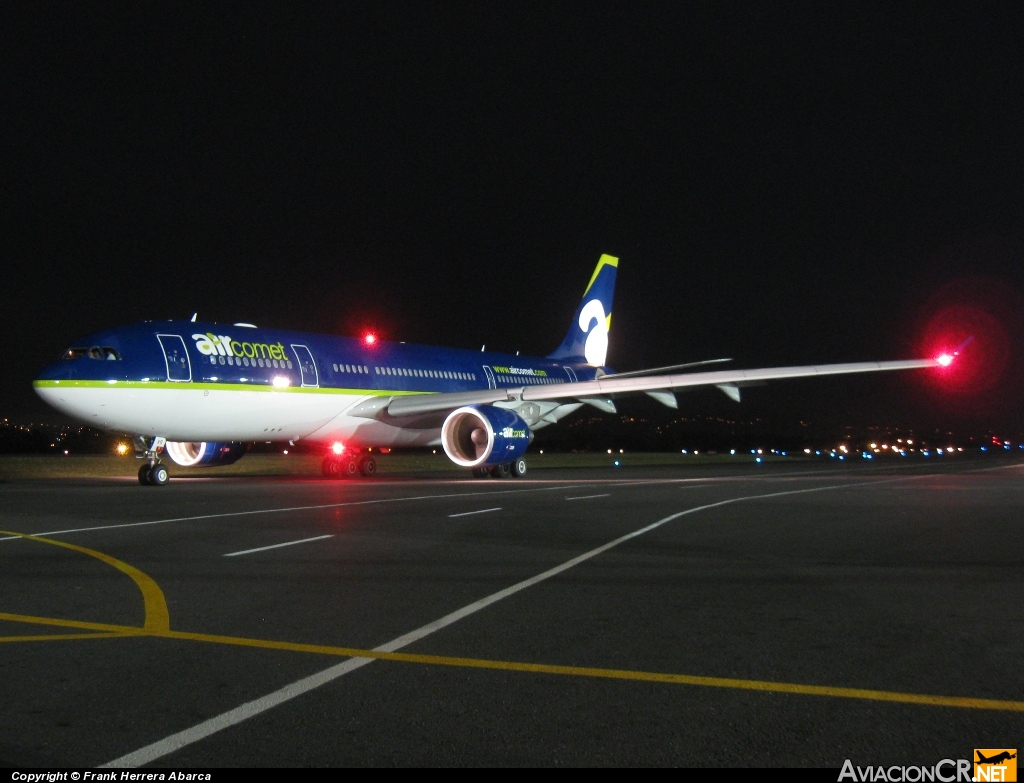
(587, 339)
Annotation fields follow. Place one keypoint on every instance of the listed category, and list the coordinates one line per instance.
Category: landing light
(337, 448)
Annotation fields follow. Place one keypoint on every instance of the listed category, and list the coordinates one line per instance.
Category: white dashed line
(588, 497)
(233, 717)
(278, 546)
(468, 513)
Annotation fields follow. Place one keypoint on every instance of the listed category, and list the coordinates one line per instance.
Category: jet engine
(205, 454)
(484, 436)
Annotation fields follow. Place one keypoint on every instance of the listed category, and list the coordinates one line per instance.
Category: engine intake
(205, 454)
(479, 436)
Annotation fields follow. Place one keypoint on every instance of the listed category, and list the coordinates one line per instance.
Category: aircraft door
(178, 366)
(491, 383)
(306, 365)
(571, 373)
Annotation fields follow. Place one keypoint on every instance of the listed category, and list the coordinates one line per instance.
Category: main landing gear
(349, 464)
(153, 473)
(517, 469)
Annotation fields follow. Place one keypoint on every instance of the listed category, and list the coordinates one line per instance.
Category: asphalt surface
(163, 639)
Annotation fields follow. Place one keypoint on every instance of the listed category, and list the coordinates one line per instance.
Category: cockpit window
(101, 352)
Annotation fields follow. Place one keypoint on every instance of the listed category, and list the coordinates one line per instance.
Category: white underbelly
(192, 413)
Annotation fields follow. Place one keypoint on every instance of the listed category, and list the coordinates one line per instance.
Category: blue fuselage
(203, 381)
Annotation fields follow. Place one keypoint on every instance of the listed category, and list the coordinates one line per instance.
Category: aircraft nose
(55, 371)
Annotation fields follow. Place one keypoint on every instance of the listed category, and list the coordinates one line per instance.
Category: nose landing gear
(153, 473)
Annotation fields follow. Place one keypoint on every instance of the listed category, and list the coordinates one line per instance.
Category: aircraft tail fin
(588, 335)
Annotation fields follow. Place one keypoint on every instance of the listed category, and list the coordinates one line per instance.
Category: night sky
(784, 184)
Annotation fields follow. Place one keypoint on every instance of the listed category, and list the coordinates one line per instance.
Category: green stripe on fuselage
(165, 385)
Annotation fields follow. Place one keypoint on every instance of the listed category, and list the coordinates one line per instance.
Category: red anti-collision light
(945, 359)
(370, 338)
(337, 448)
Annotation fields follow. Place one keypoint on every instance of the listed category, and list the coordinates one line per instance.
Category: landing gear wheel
(519, 468)
(501, 471)
(144, 475)
(481, 472)
(331, 466)
(351, 468)
(368, 467)
(158, 475)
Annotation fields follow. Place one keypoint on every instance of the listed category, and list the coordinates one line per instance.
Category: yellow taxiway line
(157, 624)
(764, 686)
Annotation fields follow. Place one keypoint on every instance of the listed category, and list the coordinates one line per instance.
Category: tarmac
(751, 615)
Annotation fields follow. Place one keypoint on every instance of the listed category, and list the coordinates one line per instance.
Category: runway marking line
(157, 617)
(766, 686)
(470, 513)
(559, 486)
(157, 624)
(59, 636)
(278, 546)
(588, 497)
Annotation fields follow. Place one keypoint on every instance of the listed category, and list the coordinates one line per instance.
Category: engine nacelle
(205, 454)
(483, 436)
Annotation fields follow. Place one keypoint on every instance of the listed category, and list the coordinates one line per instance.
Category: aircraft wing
(612, 385)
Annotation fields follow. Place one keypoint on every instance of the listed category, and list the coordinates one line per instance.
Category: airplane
(199, 393)
(996, 759)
